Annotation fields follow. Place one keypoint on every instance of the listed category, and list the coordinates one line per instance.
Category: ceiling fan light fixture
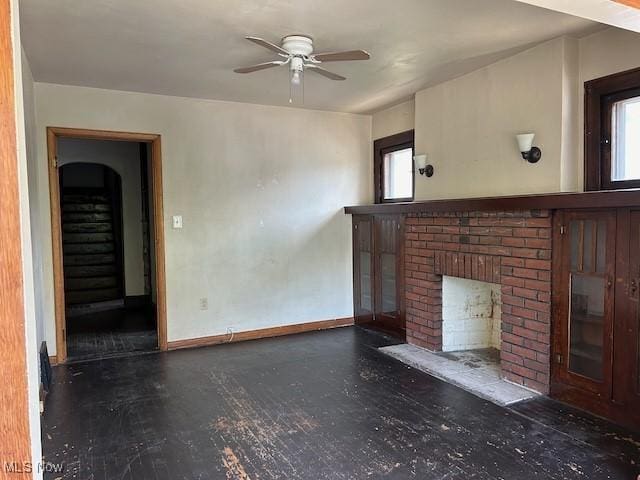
(296, 77)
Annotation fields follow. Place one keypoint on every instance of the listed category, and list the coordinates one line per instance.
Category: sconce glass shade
(420, 161)
(525, 141)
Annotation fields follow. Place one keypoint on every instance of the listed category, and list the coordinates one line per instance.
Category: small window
(393, 168)
(612, 132)
(398, 174)
(625, 140)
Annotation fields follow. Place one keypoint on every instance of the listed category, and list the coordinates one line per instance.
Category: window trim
(385, 145)
(600, 95)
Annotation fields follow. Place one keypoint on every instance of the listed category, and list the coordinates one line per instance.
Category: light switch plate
(204, 303)
(177, 221)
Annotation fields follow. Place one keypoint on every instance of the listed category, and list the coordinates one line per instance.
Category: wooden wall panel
(630, 3)
(15, 442)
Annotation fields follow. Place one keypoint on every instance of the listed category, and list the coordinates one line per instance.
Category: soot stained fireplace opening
(471, 314)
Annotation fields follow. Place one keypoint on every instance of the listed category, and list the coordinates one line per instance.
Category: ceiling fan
(297, 52)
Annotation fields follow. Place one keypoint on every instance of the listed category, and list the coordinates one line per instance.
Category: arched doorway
(92, 237)
(105, 199)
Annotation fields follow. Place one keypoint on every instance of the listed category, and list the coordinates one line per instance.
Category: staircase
(90, 234)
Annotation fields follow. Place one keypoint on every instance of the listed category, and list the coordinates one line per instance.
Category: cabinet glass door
(366, 267)
(388, 242)
(632, 327)
(363, 268)
(588, 266)
(588, 286)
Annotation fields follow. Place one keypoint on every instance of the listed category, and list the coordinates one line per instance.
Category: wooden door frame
(53, 134)
(15, 436)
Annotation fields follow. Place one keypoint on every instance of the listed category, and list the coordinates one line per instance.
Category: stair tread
(86, 217)
(89, 259)
(90, 270)
(88, 248)
(86, 208)
(86, 237)
(90, 283)
(87, 227)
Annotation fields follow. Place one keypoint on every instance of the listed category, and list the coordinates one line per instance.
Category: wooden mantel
(554, 201)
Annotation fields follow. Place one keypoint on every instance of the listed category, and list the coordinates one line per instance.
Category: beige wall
(601, 54)
(124, 158)
(34, 200)
(467, 127)
(570, 180)
(396, 119)
(261, 191)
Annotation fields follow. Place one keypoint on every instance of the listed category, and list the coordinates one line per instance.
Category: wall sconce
(421, 164)
(530, 153)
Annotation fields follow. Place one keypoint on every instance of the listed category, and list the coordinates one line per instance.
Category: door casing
(154, 141)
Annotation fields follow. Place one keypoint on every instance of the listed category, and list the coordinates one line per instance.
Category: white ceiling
(190, 47)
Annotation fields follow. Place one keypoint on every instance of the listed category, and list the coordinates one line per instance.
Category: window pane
(625, 144)
(398, 174)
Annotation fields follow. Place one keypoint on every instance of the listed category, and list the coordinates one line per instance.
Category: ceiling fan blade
(259, 66)
(271, 46)
(325, 73)
(342, 56)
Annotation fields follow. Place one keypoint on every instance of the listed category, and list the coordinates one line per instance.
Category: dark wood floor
(111, 333)
(323, 405)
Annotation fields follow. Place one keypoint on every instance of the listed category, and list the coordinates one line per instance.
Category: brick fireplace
(508, 248)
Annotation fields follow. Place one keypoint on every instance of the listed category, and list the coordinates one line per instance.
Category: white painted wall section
(261, 191)
(467, 127)
(395, 119)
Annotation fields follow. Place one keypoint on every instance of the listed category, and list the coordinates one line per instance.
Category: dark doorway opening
(107, 242)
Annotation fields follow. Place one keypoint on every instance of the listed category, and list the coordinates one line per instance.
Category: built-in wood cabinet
(574, 324)
(596, 354)
(378, 273)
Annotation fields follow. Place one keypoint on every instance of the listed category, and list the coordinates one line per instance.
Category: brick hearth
(511, 248)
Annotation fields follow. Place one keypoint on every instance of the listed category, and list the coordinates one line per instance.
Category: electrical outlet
(204, 303)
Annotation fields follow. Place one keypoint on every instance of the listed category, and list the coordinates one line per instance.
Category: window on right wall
(612, 132)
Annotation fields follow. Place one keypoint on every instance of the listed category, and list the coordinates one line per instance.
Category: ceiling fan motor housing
(298, 45)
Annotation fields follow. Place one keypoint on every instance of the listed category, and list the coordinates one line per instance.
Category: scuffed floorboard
(315, 406)
(111, 333)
